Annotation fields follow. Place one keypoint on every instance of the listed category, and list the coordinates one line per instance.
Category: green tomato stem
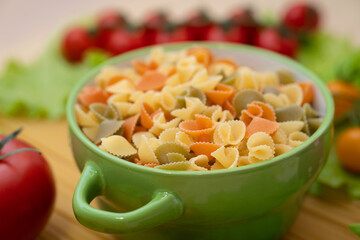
(9, 138)
(18, 151)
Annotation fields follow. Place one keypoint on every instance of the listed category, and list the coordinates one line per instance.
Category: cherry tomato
(301, 17)
(289, 46)
(75, 42)
(156, 20)
(344, 94)
(348, 149)
(27, 190)
(180, 34)
(117, 42)
(243, 17)
(110, 19)
(269, 38)
(198, 25)
(215, 33)
(237, 34)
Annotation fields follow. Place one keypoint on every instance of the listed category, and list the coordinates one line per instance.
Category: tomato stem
(17, 151)
(9, 138)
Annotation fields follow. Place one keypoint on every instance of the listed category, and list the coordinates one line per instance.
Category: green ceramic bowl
(258, 201)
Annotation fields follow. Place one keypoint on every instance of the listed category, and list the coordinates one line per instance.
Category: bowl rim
(325, 125)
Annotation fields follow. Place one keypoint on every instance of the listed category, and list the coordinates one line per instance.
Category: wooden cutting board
(321, 218)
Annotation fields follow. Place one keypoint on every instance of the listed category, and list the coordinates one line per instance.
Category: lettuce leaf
(41, 88)
(324, 53)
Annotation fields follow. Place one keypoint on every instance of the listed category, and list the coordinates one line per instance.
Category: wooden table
(321, 218)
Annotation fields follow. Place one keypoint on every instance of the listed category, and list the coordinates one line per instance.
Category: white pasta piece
(146, 149)
(137, 137)
(106, 74)
(280, 137)
(282, 148)
(118, 146)
(193, 106)
(297, 138)
(267, 79)
(85, 119)
(229, 133)
(186, 68)
(124, 86)
(291, 126)
(293, 92)
(169, 135)
(227, 157)
(199, 163)
(246, 79)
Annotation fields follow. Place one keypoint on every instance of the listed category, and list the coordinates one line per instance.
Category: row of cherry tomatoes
(114, 34)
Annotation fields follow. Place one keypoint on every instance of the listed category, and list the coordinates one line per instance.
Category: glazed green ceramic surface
(258, 201)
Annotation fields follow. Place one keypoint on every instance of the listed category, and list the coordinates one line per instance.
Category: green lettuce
(41, 88)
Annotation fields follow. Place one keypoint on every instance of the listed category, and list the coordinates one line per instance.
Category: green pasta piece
(288, 113)
(244, 97)
(179, 166)
(108, 128)
(175, 157)
(170, 147)
(103, 111)
(271, 89)
(230, 80)
(285, 77)
(190, 92)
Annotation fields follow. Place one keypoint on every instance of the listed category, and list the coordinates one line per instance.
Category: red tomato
(118, 41)
(301, 17)
(27, 192)
(75, 42)
(215, 33)
(110, 19)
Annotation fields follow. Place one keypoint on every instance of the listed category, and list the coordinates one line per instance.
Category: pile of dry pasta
(185, 110)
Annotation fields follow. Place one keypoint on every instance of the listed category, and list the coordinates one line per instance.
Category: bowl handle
(164, 207)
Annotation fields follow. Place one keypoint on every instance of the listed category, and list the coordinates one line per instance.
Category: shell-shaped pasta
(210, 84)
(183, 138)
(186, 68)
(137, 137)
(271, 89)
(145, 115)
(146, 97)
(175, 157)
(118, 146)
(124, 86)
(169, 135)
(129, 126)
(90, 132)
(297, 138)
(118, 97)
(268, 79)
(260, 138)
(220, 94)
(156, 55)
(229, 133)
(280, 137)
(160, 123)
(170, 147)
(204, 148)
(282, 148)
(222, 65)
(178, 166)
(294, 93)
(288, 113)
(85, 119)
(190, 92)
(193, 106)
(276, 101)
(104, 112)
(244, 97)
(199, 163)
(202, 125)
(167, 100)
(291, 126)
(262, 152)
(106, 74)
(285, 77)
(173, 80)
(261, 125)
(226, 156)
(243, 161)
(107, 128)
(146, 149)
(122, 108)
(257, 109)
(246, 79)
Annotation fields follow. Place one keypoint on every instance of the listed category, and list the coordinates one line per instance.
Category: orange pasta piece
(220, 94)
(92, 94)
(230, 107)
(129, 126)
(308, 92)
(204, 148)
(139, 129)
(145, 115)
(226, 61)
(202, 55)
(251, 112)
(261, 125)
(141, 67)
(204, 138)
(171, 72)
(202, 125)
(268, 111)
(151, 80)
(114, 80)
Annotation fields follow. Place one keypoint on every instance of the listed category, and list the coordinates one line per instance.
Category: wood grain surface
(321, 218)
